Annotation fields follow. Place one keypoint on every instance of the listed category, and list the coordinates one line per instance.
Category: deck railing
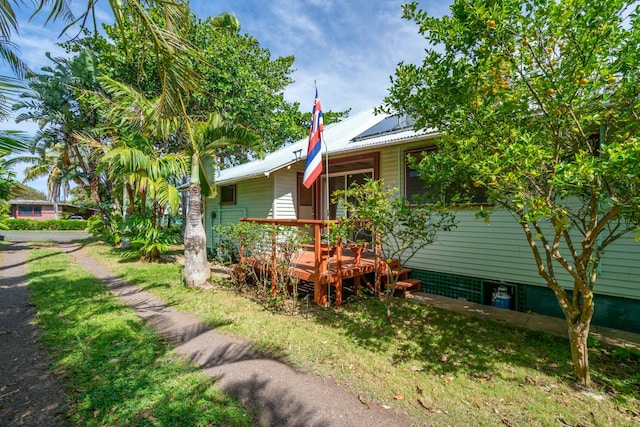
(322, 253)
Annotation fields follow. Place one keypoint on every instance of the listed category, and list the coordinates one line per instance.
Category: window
(415, 187)
(227, 194)
(29, 210)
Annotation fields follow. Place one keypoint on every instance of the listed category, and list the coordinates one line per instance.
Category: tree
(402, 227)
(59, 101)
(198, 142)
(81, 197)
(24, 192)
(7, 178)
(175, 74)
(538, 104)
(141, 168)
(241, 81)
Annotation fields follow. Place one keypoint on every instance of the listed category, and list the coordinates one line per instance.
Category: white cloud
(349, 47)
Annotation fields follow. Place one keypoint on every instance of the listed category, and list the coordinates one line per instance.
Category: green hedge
(49, 224)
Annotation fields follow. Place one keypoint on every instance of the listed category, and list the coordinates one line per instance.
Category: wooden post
(338, 275)
(379, 265)
(274, 263)
(319, 290)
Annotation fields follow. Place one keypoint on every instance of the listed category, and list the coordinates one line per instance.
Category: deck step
(408, 286)
(400, 274)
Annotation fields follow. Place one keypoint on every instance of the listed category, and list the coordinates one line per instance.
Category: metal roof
(361, 130)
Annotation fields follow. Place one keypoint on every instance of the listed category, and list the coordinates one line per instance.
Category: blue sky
(350, 48)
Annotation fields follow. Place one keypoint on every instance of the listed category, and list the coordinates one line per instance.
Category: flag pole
(327, 215)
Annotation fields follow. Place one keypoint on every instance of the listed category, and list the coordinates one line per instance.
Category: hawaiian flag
(313, 168)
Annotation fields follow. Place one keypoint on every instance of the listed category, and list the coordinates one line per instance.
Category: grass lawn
(440, 368)
(116, 371)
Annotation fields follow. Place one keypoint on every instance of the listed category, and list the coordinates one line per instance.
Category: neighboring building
(469, 262)
(42, 210)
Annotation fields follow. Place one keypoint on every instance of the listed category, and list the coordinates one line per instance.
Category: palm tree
(197, 141)
(52, 102)
(169, 45)
(138, 168)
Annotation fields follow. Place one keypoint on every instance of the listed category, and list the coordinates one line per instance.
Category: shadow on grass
(444, 343)
(121, 372)
(447, 343)
(115, 369)
(24, 245)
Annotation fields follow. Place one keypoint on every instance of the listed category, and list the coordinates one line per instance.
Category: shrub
(258, 242)
(49, 224)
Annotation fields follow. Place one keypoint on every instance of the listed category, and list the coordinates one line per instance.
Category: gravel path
(283, 396)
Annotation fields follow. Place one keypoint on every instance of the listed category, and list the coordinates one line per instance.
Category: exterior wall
(46, 212)
(499, 251)
(254, 199)
(285, 194)
(471, 260)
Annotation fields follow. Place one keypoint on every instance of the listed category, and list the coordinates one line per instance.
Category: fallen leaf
(427, 406)
(507, 422)
(398, 397)
(417, 368)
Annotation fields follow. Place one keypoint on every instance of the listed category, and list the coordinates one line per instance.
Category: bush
(49, 224)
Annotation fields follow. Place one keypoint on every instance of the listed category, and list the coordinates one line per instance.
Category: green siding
(285, 194)
(254, 199)
(494, 252)
(499, 251)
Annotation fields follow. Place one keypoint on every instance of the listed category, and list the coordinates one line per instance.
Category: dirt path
(30, 395)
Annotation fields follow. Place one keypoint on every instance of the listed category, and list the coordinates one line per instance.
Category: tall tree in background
(58, 101)
(241, 81)
(167, 44)
(538, 102)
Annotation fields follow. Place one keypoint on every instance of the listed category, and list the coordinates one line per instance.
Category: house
(42, 210)
(470, 262)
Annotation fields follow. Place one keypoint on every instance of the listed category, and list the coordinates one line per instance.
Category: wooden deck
(327, 273)
(314, 265)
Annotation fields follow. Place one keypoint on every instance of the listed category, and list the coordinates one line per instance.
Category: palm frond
(206, 172)
(14, 141)
(8, 20)
(164, 193)
(9, 55)
(58, 11)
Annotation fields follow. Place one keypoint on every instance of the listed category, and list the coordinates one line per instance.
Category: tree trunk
(578, 334)
(196, 268)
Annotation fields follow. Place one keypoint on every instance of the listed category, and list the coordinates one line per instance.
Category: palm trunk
(196, 267)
